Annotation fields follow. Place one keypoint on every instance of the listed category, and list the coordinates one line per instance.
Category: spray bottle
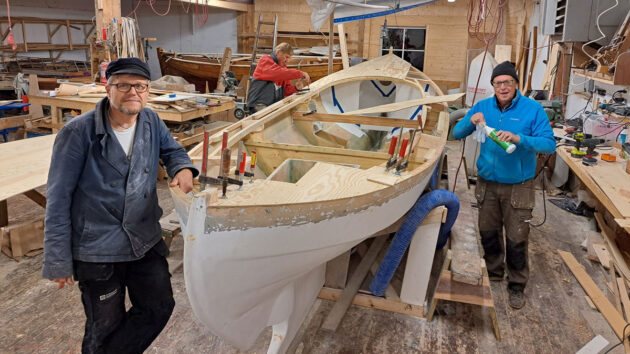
(506, 145)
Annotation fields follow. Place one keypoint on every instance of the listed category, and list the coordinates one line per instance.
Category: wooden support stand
(415, 280)
(170, 230)
(451, 290)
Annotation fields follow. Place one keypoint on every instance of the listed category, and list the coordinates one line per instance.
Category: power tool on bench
(582, 141)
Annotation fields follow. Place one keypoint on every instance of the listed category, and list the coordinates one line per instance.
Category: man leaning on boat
(102, 215)
(272, 79)
(505, 189)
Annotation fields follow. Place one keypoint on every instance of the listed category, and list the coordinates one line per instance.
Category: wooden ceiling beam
(236, 6)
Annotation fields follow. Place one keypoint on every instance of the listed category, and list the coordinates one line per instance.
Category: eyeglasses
(503, 83)
(124, 87)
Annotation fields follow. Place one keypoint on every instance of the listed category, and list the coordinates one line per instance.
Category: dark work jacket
(102, 206)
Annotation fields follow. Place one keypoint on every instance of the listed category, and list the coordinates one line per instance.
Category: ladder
(263, 49)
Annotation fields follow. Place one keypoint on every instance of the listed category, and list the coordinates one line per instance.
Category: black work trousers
(506, 206)
(109, 328)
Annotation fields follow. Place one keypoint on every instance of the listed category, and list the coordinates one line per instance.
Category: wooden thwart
(354, 119)
(392, 107)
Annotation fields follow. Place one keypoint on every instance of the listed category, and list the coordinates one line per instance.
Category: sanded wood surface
(341, 118)
(392, 107)
(604, 306)
(608, 181)
(465, 263)
(24, 165)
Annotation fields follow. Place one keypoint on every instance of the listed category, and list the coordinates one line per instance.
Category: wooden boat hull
(257, 258)
(198, 69)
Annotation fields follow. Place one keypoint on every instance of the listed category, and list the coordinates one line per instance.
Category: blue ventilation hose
(402, 239)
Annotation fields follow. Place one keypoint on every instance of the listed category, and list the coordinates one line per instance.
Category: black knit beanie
(505, 68)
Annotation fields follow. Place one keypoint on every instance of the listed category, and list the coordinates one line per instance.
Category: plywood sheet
(24, 165)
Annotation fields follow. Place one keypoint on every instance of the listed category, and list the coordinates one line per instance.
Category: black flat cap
(132, 66)
(505, 68)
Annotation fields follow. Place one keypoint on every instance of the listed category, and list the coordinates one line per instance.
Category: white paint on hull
(241, 281)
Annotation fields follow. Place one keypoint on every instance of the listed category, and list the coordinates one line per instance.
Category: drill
(582, 141)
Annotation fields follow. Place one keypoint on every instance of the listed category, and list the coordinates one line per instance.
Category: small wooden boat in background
(257, 258)
(201, 68)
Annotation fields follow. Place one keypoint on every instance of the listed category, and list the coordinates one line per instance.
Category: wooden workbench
(23, 167)
(87, 104)
(607, 181)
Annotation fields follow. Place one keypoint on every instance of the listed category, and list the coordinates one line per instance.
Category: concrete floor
(35, 317)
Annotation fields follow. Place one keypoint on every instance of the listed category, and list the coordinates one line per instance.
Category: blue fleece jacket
(524, 117)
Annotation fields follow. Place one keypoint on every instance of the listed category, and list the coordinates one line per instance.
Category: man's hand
(477, 118)
(184, 180)
(61, 282)
(305, 76)
(299, 84)
(507, 136)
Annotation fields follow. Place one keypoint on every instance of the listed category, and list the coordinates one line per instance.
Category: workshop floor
(35, 317)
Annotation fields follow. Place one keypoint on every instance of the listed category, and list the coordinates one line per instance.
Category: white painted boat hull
(241, 281)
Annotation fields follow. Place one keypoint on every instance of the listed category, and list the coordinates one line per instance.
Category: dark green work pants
(509, 207)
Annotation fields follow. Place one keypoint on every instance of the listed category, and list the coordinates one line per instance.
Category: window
(407, 43)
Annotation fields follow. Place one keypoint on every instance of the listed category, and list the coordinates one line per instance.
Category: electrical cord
(623, 335)
(544, 167)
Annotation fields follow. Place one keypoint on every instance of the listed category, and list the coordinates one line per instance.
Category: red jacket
(268, 70)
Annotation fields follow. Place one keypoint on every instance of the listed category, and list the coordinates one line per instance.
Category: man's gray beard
(125, 110)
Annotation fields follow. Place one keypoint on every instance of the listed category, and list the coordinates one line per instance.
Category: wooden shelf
(621, 76)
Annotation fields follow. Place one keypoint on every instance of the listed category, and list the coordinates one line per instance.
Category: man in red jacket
(272, 80)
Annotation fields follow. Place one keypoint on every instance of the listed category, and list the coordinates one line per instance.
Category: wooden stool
(448, 289)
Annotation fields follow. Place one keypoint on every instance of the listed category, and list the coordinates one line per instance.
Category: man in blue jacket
(505, 190)
(102, 215)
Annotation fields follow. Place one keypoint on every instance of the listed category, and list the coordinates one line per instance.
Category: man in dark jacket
(102, 215)
(271, 81)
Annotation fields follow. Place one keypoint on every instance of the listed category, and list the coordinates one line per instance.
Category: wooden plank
(24, 165)
(24, 239)
(4, 213)
(392, 107)
(12, 122)
(222, 4)
(34, 110)
(461, 292)
(225, 66)
(375, 302)
(625, 300)
(343, 48)
(590, 302)
(602, 254)
(465, 263)
(502, 53)
(331, 322)
(331, 40)
(36, 197)
(616, 254)
(354, 119)
(614, 318)
(337, 271)
(615, 287)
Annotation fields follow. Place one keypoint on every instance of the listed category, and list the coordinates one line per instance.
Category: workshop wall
(184, 32)
(59, 9)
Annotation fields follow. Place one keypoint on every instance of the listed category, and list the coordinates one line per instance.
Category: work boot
(516, 297)
(495, 276)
